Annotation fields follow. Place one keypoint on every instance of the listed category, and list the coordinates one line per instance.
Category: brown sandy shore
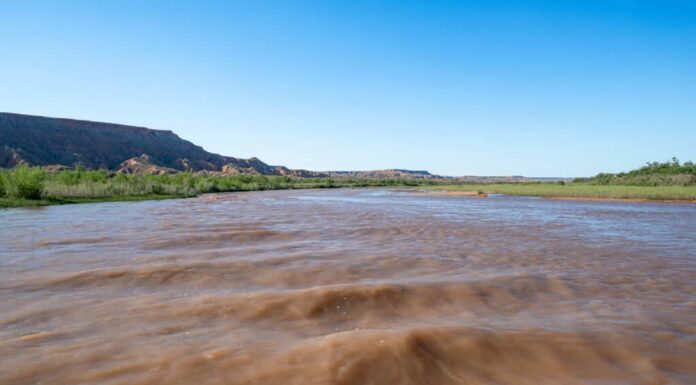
(476, 194)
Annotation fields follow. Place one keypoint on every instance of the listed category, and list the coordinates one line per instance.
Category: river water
(348, 287)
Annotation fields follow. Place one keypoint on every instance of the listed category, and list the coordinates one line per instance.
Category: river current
(348, 287)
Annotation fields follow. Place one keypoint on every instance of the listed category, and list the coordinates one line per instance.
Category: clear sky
(535, 88)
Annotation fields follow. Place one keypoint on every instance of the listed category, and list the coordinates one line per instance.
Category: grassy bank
(32, 186)
(580, 190)
(671, 180)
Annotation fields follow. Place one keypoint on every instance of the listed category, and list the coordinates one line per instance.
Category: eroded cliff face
(43, 141)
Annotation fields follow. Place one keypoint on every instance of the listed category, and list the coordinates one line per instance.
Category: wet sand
(348, 287)
(461, 193)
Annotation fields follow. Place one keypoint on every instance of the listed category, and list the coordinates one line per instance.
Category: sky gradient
(534, 88)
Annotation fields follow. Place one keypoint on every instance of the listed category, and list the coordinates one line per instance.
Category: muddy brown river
(348, 287)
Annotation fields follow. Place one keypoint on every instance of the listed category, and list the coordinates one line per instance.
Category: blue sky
(536, 88)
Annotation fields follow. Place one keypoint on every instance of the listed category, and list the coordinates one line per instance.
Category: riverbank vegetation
(33, 186)
(671, 173)
(670, 180)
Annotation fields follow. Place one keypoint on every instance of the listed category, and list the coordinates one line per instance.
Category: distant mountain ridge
(388, 173)
(44, 141)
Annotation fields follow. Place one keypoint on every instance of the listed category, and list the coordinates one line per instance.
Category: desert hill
(43, 141)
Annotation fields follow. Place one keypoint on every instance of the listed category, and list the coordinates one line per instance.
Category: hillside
(43, 141)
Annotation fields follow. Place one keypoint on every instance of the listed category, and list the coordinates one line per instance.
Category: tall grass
(22, 183)
(26, 183)
(30, 186)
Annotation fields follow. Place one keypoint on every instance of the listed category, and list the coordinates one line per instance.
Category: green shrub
(23, 182)
(671, 173)
(34, 183)
(205, 186)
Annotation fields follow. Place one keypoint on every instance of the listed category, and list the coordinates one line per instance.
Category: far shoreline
(577, 192)
(475, 194)
(441, 190)
(636, 200)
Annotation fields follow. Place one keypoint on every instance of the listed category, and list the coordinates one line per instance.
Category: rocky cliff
(43, 141)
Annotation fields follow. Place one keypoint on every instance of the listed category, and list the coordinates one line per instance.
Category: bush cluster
(670, 173)
(22, 183)
(34, 183)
